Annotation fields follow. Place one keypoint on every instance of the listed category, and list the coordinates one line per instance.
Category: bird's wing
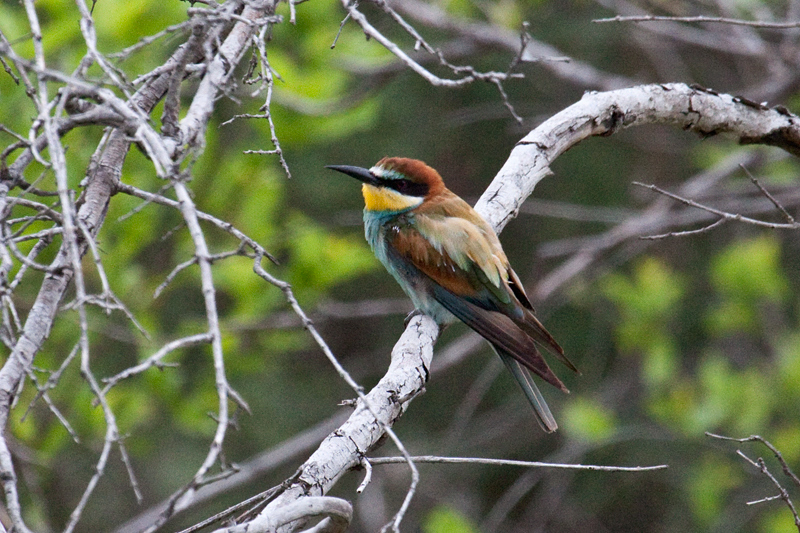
(490, 282)
(532, 325)
(500, 331)
(462, 292)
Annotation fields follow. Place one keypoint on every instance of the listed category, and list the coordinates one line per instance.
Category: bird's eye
(406, 187)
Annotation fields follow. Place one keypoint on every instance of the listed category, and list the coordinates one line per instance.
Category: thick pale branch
(338, 511)
(702, 111)
(343, 449)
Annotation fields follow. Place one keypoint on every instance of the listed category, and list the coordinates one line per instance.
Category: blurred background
(674, 337)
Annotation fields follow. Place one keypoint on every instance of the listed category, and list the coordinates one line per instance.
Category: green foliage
(750, 270)
(708, 391)
(661, 361)
(788, 359)
(321, 259)
(777, 521)
(505, 13)
(782, 171)
(725, 397)
(588, 421)
(646, 302)
(746, 275)
(708, 488)
(445, 519)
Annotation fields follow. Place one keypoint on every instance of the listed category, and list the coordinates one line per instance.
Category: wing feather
(481, 274)
(465, 294)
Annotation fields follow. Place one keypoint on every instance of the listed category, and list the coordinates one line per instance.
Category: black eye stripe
(406, 187)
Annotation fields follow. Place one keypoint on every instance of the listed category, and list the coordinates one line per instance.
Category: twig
(42, 393)
(723, 214)
(713, 20)
(155, 359)
(509, 462)
(126, 460)
(221, 224)
(685, 233)
(762, 467)
(339, 33)
(757, 438)
(268, 82)
(789, 218)
(367, 474)
(372, 32)
(193, 261)
(144, 41)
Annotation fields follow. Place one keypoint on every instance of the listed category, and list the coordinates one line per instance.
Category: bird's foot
(409, 316)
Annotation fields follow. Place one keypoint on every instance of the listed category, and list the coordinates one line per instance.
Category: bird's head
(395, 184)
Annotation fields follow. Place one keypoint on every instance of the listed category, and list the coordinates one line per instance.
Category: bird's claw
(409, 316)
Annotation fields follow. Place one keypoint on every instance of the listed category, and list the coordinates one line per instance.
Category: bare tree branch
(535, 51)
(762, 466)
(692, 108)
(702, 19)
(220, 35)
(724, 216)
(507, 462)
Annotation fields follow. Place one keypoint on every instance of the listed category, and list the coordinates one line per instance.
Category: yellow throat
(387, 200)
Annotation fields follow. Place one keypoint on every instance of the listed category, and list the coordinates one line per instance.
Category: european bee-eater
(449, 261)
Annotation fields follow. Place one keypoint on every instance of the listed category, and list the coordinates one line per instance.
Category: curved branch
(691, 108)
(338, 513)
(696, 109)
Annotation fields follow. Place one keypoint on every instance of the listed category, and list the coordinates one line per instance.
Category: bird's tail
(525, 380)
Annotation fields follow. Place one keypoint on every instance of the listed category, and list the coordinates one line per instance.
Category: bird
(448, 259)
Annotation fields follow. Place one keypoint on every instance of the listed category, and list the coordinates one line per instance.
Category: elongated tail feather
(525, 380)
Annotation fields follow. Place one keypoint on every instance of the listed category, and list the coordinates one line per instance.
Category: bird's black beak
(361, 174)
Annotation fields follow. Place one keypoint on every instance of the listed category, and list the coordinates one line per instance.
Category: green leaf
(779, 520)
(675, 408)
(750, 270)
(320, 259)
(788, 366)
(731, 316)
(660, 363)
(646, 301)
(708, 487)
(785, 439)
(444, 519)
(587, 420)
